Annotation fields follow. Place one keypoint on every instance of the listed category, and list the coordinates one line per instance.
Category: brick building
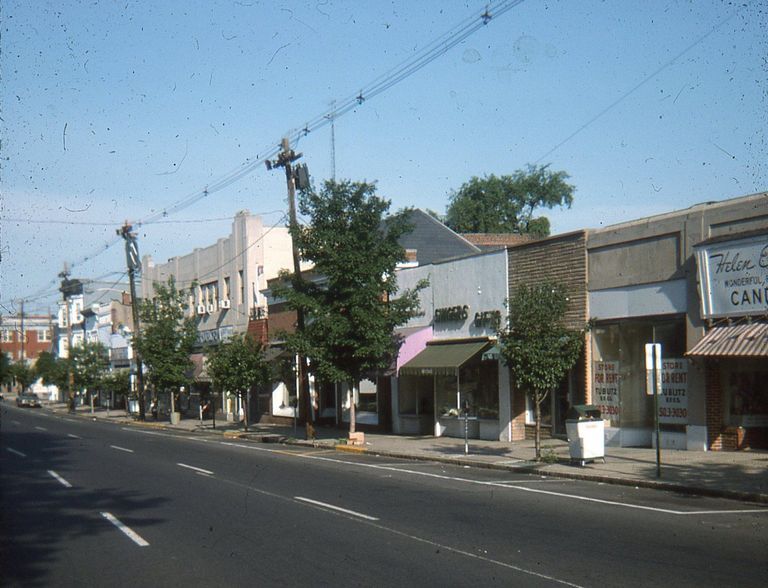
(38, 336)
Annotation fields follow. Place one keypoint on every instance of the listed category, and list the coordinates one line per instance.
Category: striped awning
(742, 340)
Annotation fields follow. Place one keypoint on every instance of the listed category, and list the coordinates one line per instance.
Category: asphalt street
(94, 503)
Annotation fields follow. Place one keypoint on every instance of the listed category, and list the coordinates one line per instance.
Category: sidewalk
(739, 475)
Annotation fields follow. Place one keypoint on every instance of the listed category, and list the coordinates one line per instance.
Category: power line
(637, 86)
(113, 223)
(384, 82)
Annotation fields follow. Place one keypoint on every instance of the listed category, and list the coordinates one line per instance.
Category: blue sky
(117, 110)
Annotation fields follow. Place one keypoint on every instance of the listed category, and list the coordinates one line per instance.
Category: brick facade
(39, 336)
(561, 259)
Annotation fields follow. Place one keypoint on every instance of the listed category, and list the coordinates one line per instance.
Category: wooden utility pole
(23, 335)
(134, 265)
(66, 293)
(285, 160)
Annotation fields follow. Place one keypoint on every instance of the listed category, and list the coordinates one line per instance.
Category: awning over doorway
(443, 359)
(199, 373)
(742, 340)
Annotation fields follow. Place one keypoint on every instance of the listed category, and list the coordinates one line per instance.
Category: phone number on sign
(679, 413)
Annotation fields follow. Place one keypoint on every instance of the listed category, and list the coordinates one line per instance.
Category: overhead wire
(382, 83)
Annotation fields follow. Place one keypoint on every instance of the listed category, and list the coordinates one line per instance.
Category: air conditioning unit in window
(211, 308)
(201, 309)
(224, 303)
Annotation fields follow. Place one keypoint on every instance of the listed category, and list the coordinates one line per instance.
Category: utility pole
(285, 160)
(65, 292)
(134, 265)
(23, 335)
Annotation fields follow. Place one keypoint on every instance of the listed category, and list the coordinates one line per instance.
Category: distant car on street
(28, 399)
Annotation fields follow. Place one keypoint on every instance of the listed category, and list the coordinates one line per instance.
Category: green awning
(443, 359)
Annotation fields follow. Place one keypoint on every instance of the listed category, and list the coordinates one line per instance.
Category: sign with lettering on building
(733, 277)
(673, 401)
(605, 390)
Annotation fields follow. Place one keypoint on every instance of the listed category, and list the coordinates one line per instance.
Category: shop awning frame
(443, 359)
(748, 339)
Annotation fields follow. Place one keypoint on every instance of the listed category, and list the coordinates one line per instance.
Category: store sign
(673, 402)
(214, 336)
(488, 319)
(733, 277)
(605, 389)
(451, 314)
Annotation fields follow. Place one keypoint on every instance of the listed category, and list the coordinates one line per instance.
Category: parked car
(28, 399)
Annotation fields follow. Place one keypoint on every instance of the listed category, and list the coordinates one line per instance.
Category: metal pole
(656, 362)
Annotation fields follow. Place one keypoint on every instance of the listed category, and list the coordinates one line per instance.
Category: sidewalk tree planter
(350, 313)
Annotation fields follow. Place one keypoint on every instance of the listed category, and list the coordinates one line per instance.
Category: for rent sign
(673, 402)
(733, 277)
(606, 390)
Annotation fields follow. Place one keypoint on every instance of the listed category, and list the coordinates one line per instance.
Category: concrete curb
(525, 466)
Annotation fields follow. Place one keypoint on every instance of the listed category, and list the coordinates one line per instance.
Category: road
(97, 504)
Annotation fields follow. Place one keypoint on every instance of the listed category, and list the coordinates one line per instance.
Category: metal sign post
(653, 386)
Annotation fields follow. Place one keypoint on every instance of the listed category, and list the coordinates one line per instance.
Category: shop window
(416, 395)
(745, 386)
(546, 410)
(327, 392)
(366, 401)
(479, 387)
(618, 370)
(447, 401)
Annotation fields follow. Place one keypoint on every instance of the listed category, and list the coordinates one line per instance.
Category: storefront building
(560, 259)
(223, 284)
(733, 288)
(643, 287)
(448, 360)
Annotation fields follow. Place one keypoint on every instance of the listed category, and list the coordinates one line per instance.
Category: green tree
(22, 374)
(52, 371)
(350, 312)
(166, 340)
(5, 369)
(536, 345)
(236, 366)
(505, 204)
(89, 364)
(118, 384)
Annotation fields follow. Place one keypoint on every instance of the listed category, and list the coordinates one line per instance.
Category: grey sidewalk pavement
(741, 475)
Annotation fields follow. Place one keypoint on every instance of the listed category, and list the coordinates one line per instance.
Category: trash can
(586, 433)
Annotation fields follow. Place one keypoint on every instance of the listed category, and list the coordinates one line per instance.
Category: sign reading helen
(733, 277)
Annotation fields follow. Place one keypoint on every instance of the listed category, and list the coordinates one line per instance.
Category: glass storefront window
(366, 400)
(745, 387)
(416, 395)
(618, 371)
(446, 401)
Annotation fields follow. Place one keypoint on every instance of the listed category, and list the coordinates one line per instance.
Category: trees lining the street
(506, 204)
(166, 340)
(89, 363)
(236, 366)
(351, 316)
(538, 348)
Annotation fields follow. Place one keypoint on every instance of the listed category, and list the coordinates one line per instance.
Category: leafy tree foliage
(350, 312)
(236, 366)
(89, 364)
(117, 382)
(166, 339)
(505, 204)
(51, 370)
(537, 347)
(22, 374)
(5, 369)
